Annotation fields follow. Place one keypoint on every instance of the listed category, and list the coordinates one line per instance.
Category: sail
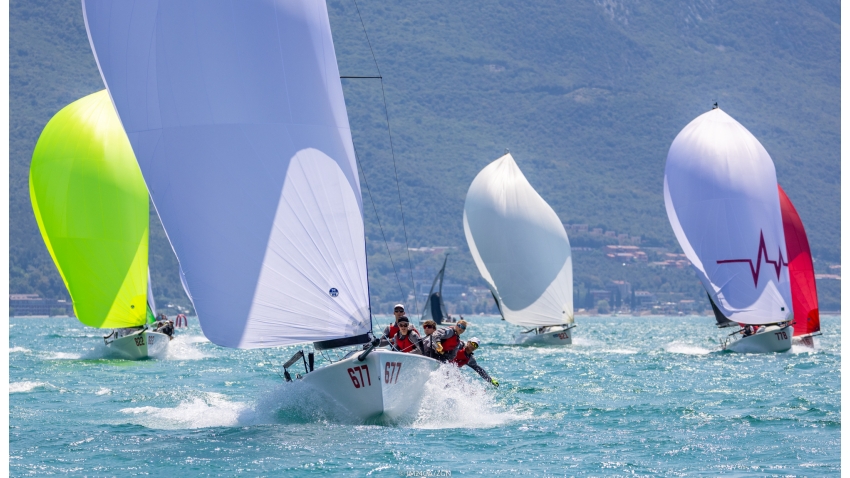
(520, 246)
(151, 302)
(236, 115)
(804, 292)
(91, 206)
(720, 195)
(722, 321)
(434, 308)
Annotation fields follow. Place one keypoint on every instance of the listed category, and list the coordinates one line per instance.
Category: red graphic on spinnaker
(755, 269)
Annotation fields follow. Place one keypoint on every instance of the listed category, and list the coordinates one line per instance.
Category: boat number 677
(391, 371)
(358, 371)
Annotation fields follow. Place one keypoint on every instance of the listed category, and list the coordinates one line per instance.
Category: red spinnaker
(804, 293)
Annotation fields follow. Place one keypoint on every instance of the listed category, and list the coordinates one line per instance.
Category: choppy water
(645, 396)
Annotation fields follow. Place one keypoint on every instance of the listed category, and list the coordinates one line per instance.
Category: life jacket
(450, 343)
(394, 330)
(462, 358)
(404, 344)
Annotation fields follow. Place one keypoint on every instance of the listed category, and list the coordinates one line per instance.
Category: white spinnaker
(519, 245)
(236, 115)
(721, 198)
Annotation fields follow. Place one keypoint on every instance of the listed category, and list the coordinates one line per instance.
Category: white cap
(398, 305)
(474, 340)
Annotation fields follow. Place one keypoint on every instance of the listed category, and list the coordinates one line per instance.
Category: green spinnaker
(91, 205)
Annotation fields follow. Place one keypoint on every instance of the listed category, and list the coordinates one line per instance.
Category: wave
(23, 387)
(454, 399)
(686, 349)
(207, 410)
(19, 349)
(181, 348)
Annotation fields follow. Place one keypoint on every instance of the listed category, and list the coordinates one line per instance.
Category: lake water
(631, 396)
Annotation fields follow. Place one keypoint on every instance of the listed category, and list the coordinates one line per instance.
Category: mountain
(587, 96)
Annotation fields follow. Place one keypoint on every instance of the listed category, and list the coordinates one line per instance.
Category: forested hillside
(586, 95)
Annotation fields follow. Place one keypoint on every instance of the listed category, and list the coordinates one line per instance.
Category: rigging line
(392, 150)
(372, 200)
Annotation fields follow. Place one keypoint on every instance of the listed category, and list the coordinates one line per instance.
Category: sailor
(464, 357)
(406, 339)
(428, 341)
(448, 341)
(392, 329)
(748, 330)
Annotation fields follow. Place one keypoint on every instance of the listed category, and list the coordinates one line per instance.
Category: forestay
(721, 199)
(804, 291)
(520, 246)
(92, 208)
(236, 114)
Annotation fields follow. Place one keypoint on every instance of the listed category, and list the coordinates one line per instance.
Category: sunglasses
(428, 327)
(403, 324)
(399, 310)
(461, 327)
(473, 345)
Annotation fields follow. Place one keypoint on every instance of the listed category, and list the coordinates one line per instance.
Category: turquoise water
(644, 396)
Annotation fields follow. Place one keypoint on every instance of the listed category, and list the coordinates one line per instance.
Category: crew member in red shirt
(406, 339)
(464, 357)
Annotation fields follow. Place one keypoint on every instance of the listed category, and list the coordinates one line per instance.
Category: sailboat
(434, 308)
(804, 292)
(522, 251)
(722, 202)
(236, 114)
(91, 206)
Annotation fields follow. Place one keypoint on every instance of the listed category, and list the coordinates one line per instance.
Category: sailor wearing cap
(465, 357)
(391, 330)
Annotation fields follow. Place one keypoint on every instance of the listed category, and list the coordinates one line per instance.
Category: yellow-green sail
(91, 205)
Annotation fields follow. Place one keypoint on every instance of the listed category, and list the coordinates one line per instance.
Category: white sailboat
(722, 201)
(91, 205)
(236, 114)
(522, 251)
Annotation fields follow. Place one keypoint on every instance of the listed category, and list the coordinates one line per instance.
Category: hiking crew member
(406, 339)
(464, 357)
(429, 344)
(448, 341)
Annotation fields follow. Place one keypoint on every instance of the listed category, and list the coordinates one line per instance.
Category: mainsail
(236, 114)
(434, 308)
(720, 194)
(520, 246)
(804, 292)
(91, 206)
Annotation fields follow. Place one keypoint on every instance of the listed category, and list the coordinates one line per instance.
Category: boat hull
(382, 389)
(140, 345)
(558, 335)
(768, 339)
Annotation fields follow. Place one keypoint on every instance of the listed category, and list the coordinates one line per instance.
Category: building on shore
(22, 305)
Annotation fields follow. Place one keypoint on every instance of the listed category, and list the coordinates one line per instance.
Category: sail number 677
(391, 371)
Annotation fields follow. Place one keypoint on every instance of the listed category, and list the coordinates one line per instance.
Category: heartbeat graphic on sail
(777, 264)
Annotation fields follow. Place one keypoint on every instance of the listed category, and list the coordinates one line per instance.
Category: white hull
(382, 388)
(556, 335)
(768, 339)
(140, 345)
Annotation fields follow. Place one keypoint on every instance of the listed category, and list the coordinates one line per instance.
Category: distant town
(598, 249)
